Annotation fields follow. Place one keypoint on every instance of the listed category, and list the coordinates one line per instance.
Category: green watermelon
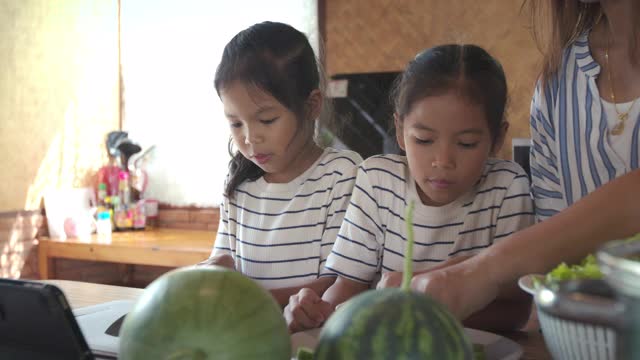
(393, 324)
(204, 313)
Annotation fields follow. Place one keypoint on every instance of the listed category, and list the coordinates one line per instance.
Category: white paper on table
(94, 321)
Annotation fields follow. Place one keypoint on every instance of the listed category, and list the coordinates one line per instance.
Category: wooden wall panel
(383, 35)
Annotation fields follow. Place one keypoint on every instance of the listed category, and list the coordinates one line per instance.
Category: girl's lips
(261, 158)
(440, 183)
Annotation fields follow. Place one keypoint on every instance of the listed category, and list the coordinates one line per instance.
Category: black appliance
(365, 114)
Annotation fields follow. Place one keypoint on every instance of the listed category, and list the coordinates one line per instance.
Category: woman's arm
(511, 309)
(611, 212)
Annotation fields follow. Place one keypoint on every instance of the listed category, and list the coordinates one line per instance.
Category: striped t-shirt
(372, 236)
(572, 152)
(281, 234)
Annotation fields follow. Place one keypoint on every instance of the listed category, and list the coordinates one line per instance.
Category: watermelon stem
(408, 254)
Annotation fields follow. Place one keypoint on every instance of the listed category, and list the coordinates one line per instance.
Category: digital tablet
(36, 322)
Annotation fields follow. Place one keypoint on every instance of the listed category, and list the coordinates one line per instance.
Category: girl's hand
(391, 279)
(306, 310)
(463, 289)
(224, 260)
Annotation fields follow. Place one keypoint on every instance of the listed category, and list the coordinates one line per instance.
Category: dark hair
(467, 69)
(277, 59)
(557, 24)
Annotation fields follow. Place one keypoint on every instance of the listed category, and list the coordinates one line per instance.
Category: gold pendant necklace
(622, 117)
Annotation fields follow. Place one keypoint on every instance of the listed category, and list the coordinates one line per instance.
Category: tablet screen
(36, 322)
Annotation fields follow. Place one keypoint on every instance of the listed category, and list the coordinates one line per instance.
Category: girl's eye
(468, 145)
(270, 121)
(235, 124)
(423, 142)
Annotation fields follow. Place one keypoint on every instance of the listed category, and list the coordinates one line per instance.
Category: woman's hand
(391, 279)
(306, 310)
(462, 288)
(224, 260)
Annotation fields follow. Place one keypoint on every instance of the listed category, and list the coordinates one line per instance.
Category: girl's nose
(444, 159)
(252, 136)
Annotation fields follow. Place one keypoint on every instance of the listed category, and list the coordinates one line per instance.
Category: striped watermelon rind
(204, 313)
(393, 324)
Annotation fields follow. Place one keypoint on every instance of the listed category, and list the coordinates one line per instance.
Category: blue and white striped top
(572, 152)
(281, 234)
(372, 236)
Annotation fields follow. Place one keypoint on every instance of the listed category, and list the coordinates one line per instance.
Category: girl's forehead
(247, 94)
(448, 111)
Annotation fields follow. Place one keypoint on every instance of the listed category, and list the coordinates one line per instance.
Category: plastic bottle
(119, 214)
(103, 225)
(102, 197)
(124, 189)
(139, 216)
(108, 175)
(109, 208)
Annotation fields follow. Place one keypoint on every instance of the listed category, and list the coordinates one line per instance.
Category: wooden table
(161, 247)
(81, 294)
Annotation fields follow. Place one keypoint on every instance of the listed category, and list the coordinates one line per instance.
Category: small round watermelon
(204, 313)
(394, 324)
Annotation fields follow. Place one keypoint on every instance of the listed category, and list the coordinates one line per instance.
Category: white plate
(526, 282)
(496, 347)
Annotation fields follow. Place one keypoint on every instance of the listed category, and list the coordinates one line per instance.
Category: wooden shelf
(160, 247)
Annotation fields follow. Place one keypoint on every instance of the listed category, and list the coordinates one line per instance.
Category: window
(170, 51)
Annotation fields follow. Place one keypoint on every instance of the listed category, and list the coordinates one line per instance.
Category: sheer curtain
(170, 50)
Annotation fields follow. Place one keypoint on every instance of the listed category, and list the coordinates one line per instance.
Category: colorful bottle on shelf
(124, 188)
(103, 226)
(102, 197)
(108, 175)
(122, 216)
(122, 209)
(139, 215)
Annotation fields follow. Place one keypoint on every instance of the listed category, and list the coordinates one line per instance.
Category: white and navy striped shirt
(372, 236)
(572, 152)
(281, 234)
